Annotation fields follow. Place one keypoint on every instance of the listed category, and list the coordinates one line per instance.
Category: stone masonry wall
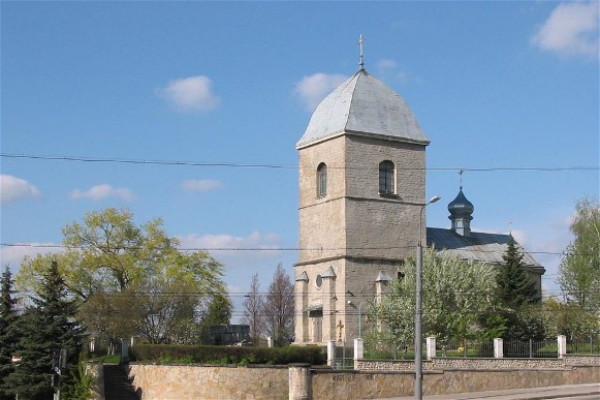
(170, 382)
(176, 382)
(388, 223)
(322, 220)
(439, 364)
(332, 385)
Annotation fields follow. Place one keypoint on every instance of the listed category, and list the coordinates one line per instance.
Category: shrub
(227, 355)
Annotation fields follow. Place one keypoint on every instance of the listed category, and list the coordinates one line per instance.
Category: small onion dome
(460, 207)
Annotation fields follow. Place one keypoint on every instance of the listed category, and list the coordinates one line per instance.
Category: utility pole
(419, 307)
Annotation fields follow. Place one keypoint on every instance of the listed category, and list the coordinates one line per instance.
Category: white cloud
(13, 255)
(254, 241)
(100, 192)
(390, 69)
(254, 247)
(312, 89)
(202, 185)
(13, 189)
(571, 29)
(191, 94)
(386, 64)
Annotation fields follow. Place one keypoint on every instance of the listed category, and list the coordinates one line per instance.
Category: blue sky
(493, 84)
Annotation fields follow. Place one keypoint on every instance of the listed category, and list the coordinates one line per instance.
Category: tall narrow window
(322, 180)
(386, 177)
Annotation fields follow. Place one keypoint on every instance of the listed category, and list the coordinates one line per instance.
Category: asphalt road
(587, 391)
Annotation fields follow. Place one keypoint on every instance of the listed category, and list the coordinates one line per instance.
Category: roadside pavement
(591, 390)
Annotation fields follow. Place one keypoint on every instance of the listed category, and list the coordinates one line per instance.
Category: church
(362, 209)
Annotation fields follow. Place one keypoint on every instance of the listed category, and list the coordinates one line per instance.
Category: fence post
(498, 348)
(359, 350)
(562, 345)
(269, 341)
(431, 347)
(300, 382)
(330, 353)
(124, 351)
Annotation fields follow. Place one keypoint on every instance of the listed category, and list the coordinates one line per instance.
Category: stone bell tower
(362, 181)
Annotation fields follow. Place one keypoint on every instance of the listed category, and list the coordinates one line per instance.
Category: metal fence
(584, 346)
(531, 349)
(467, 348)
(344, 355)
(389, 351)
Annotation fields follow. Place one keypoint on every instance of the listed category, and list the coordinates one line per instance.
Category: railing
(344, 356)
(497, 348)
(531, 349)
(455, 348)
(584, 346)
(389, 351)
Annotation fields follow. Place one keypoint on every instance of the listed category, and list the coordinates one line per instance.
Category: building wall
(329, 297)
(354, 229)
(389, 224)
(322, 220)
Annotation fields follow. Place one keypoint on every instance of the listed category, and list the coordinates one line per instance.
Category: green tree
(579, 272)
(569, 319)
(219, 310)
(517, 293)
(8, 333)
(515, 286)
(122, 271)
(48, 331)
(458, 295)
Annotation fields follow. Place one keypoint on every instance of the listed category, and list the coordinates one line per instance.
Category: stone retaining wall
(353, 385)
(438, 364)
(583, 360)
(97, 371)
(176, 382)
(170, 382)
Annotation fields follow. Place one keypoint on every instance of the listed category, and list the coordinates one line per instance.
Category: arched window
(322, 180)
(386, 177)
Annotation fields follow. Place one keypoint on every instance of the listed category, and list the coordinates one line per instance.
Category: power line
(228, 164)
(146, 162)
(186, 249)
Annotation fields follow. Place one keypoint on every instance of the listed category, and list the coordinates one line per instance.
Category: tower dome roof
(460, 207)
(363, 105)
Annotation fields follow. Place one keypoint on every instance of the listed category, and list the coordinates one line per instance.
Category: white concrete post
(562, 346)
(498, 348)
(300, 382)
(330, 353)
(269, 341)
(431, 347)
(359, 349)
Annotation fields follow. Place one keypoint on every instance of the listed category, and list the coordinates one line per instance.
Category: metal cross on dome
(361, 63)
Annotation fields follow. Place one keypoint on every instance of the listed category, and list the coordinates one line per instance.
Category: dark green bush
(227, 355)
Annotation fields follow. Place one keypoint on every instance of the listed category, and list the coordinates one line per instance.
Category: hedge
(227, 355)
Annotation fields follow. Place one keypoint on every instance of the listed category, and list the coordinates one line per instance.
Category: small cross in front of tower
(460, 173)
(361, 63)
(340, 327)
